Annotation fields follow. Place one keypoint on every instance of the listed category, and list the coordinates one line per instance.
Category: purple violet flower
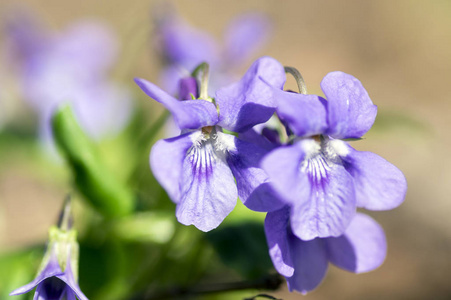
(320, 176)
(198, 169)
(361, 248)
(58, 274)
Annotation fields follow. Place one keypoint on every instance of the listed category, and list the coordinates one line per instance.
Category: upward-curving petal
(208, 190)
(245, 35)
(249, 102)
(351, 113)
(362, 248)
(305, 114)
(379, 184)
(166, 162)
(276, 230)
(192, 114)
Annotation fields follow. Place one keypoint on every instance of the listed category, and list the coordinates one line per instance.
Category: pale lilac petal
(70, 295)
(208, 190)
(249, 102)
(361, 249)
(276, 230)
(351, 112)
(266, 141)
(166, 161)
(245, 35)
(185, 45)
(283, 168)
(69, 279)
(192, 114)
(92, 44)
(252, 182)
(50, 270)
(310, 264)
(331, 204)
(379, 184)
(305, 114)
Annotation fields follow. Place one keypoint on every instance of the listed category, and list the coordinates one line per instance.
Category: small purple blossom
(57, 278)
(198, 169)
(320, 176)
(361, 248)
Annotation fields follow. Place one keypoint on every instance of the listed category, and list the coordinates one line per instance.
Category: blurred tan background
(400, 51)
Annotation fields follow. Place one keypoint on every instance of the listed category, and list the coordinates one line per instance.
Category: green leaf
(242, 247)
(93, 179)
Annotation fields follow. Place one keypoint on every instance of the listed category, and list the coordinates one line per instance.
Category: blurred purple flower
(52, 283)
(198, 168)
(57, 277)
(184, 47)
(70, 66)
(321, 177)
(361, 248)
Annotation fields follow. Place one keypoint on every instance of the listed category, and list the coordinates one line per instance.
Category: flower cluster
(306, 176)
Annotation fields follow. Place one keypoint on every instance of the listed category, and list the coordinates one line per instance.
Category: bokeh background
(400, 51)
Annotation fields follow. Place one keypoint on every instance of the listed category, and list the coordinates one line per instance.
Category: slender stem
(298, 77)
(205, 68)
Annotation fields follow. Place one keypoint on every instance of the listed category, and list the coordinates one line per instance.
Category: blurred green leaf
(93, 179)
(155, 227)
(242, 247)
(395, 120)
(17, 269)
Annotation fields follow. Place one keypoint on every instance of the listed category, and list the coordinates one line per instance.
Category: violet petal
(305, 114)
(310, 264)
(361, 249)
(69, 279)
(379, 184)
(51, 269)
(252, 182)
(208, 190)
(276, 230)
(351, 112)
(245, 35)
(166, 161)
(283, 168)
(331, 204)
(249, 102)
(192, 114)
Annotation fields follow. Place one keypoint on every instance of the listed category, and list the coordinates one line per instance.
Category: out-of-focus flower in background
(183, 47)
(68, 66)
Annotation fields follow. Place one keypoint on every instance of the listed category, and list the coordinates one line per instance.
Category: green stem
(205, 68)
(298, 77)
